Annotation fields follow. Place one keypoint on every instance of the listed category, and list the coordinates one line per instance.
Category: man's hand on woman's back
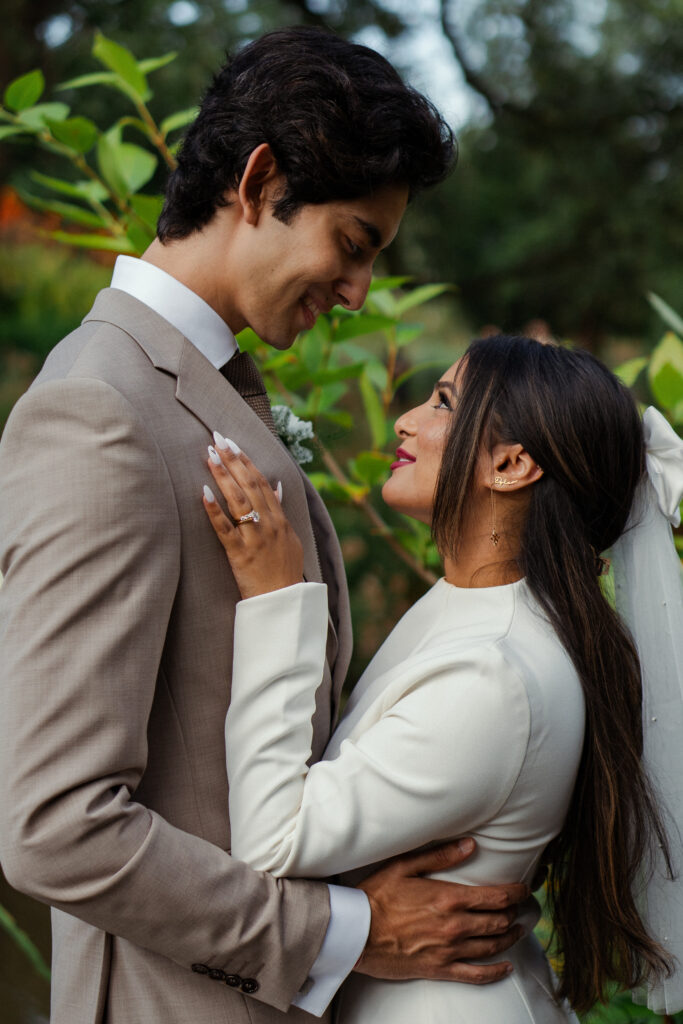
(426, 928)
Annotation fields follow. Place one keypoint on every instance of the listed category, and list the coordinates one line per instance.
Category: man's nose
(353, 290)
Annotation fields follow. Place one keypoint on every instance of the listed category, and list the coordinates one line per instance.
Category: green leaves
(418, 296)
(629, 371)
(24, 943)
(148, 209)
(91, 191)
(124, 73)
(665, 372)
(78, 133)
(665, 366)
(178, 120)
(118, 244)
(373, 411)
(94, 78)
(110, 185)
(371, 468)
(363, 323)
(122, 62)
(23, 92)
(124, 166)
(668, 315)
(154, 63)
(7, 130)
(68, 211)
(383, 284)
(136, 165)
(38, 117)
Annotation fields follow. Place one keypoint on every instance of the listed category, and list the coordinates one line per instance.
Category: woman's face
(422, 431)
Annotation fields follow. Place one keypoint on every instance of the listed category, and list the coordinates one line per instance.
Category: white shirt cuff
(347, 933)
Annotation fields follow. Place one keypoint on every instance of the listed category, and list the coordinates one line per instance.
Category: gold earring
(500, 481)
(495, 536)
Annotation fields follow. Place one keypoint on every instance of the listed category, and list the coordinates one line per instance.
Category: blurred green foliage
(567, 202)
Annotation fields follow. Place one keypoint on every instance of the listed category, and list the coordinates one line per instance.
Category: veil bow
(649, 598)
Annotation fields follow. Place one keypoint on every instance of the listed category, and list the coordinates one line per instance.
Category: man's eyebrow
(371, 230)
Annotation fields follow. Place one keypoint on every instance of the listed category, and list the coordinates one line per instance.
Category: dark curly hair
(337, 116)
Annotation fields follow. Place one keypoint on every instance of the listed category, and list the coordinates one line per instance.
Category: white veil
(649, 598)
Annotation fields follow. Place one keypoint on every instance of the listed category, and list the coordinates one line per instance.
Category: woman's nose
(405, 425)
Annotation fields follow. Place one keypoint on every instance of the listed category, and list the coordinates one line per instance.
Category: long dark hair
(581, 425)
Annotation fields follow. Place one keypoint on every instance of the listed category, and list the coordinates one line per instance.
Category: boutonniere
(292, 432)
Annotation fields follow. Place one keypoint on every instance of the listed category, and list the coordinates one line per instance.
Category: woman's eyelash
(354, 250)
(444, 400)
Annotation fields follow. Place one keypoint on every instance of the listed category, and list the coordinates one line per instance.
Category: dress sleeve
(438, 762)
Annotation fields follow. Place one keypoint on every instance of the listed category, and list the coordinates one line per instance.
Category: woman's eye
(444, 402)
(354, 250)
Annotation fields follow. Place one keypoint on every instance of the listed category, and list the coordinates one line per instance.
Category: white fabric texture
(468, 721)
(345, 938)
(649, 597)
(178, 304)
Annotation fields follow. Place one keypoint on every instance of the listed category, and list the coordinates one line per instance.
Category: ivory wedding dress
(468, 721)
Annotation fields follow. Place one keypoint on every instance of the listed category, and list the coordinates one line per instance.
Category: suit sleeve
(90, 540)
(439, 762)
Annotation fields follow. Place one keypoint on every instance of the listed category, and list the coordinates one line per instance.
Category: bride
(505, 705)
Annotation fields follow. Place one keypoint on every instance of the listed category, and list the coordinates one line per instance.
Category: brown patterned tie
(242, 372)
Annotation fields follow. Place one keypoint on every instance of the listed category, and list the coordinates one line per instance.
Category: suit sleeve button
(200, 968)
(217, 974)
(250, 985)
(233, 980)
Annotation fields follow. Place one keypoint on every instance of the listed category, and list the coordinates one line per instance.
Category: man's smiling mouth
(311, 310)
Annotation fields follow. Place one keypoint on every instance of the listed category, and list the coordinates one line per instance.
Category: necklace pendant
(495, 536)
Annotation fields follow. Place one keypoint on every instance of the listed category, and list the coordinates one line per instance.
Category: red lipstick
(403, 457)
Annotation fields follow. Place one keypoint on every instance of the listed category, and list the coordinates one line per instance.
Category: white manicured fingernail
(214, 456)
(278, 491)
(220, 441)
(208, 494)
(234, 448)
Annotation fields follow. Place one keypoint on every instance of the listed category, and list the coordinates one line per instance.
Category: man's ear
(259, 181)
(513, 468)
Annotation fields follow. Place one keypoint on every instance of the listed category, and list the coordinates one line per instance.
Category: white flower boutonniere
(293, 431)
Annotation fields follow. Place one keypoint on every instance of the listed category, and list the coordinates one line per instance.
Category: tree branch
(381, 528)
(472, 77)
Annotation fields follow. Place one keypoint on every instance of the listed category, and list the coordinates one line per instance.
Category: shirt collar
(177, 304)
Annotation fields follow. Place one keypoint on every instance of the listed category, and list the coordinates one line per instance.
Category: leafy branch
(104, 193)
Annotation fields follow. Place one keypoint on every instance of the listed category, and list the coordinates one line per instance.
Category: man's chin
(281, 340)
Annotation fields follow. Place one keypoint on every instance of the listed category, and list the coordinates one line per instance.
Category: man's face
(290, 273)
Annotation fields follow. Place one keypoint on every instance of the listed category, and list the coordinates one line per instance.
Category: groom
(117, 608)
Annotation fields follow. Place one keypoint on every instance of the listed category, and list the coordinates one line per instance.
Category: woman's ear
(260, 180)
(513, 468)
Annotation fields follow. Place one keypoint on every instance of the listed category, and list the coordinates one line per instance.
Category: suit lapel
(203, 390)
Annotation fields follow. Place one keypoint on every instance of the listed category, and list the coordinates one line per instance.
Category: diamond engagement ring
(249, 517)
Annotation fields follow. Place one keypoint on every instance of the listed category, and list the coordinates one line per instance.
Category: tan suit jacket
(116, 622)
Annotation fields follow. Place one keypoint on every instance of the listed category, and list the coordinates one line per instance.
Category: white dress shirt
(349, 923)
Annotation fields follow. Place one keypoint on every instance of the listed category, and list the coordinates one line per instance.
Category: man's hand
(426, 928)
